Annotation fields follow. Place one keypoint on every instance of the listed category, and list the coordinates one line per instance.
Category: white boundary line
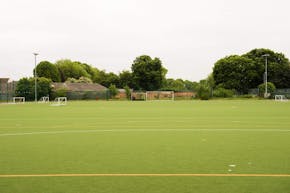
(141, 130)
(141, 175)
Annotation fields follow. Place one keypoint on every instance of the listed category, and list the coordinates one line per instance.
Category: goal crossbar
(59, 101)
(18, 99)
(281, 98)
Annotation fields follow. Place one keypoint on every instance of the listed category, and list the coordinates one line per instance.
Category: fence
(7, 91)
(186, 95)
(278, 91)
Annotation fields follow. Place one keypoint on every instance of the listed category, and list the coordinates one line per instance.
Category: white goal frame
(160, 95)
(20, 100)
(44, 100)
(281, 98)
(138, 96)
(59, 101)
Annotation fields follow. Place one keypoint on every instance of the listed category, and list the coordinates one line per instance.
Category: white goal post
(44, 100)
(280, 98)
(18, 100)
(160, 95)
(59, 101)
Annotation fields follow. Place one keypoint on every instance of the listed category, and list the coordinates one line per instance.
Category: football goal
(138, 96)
(59, 101)
(160, 95)
(18, 100)
(44, 100)
(280, 98)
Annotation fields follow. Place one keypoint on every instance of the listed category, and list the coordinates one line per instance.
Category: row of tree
(231, 75)
(237, 74)
(241, 73)
(146, 74)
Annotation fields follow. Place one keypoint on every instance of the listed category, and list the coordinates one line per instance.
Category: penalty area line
(141, 175)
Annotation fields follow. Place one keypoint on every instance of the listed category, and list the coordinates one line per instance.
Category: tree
(236, 73)
(106, 79)
(203, 90)
(126, 79)
(270, 89)
(43, 87)
(174, 85)
(70, 69)
(82, 79)
(48, 70)
(113, 90)
(26, 88)
(128, 92)
(189, 85)
(148, 74)
(278, 67)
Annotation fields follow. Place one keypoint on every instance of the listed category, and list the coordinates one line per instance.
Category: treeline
(236, 74)
(231, 75)
(146, 74)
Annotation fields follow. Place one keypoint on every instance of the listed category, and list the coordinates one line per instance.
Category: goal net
(18, 100)
(280, 98)
(59, 101)
(44, 100)
(138, 96)
(160, 95)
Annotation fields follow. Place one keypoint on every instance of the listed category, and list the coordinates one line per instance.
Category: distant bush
(128, 92)
(203, 92)
(113, 90)
(270, 89)
(59, 93)
(223, 93)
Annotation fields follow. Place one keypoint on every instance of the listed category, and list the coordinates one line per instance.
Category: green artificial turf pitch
(167, 137)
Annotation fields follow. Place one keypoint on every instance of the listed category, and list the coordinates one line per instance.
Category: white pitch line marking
(141, 130)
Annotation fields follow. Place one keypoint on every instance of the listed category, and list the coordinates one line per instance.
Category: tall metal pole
(35, 77)
(266, 75)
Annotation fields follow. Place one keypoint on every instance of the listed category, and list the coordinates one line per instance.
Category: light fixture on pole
(35, 77)
(266, 74)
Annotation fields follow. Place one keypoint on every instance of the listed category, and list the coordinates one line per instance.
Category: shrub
(113, 90)
(270, 89)
(59, 93)
(128, 92)
(223, 93)
(203, 92)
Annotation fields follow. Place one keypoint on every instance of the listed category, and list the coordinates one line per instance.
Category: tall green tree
(174, 85)
(126, 79)
(236, 72)
(48, 70)
(70, 69)
(26, 88)
(278, 67)
(148, 74)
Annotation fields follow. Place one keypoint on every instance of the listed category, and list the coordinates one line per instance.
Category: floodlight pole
(266, 74)
(35, 77)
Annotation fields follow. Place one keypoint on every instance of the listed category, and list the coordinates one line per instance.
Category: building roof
(78, 86)
(4, 80)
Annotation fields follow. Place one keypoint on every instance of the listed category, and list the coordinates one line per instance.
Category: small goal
(138, 96)
(282, 98)
(160, 95)
(59, 101)
(44, 100)
(18, 100)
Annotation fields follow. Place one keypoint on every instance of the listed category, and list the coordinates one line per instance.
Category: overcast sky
(189, 36)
